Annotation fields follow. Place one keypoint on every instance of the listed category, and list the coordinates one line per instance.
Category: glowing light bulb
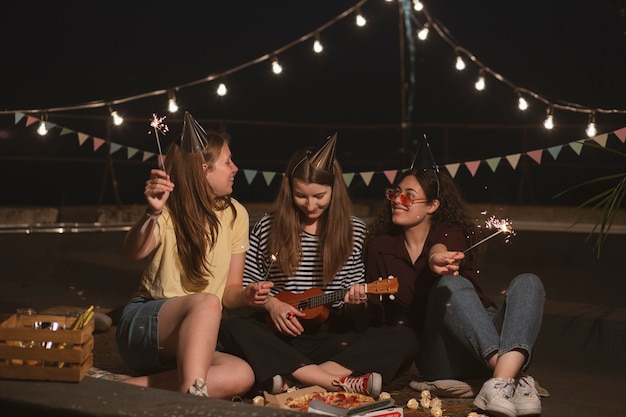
(522, 104)
(460, 64)
(423, 33)
(591, 127)
(480, 83)
(221, 90)
(549, 122)
(172, 107)
(360, 20)
(42, 130)
(117, 119)
(418, 6)
(276, 67)
(317, 46)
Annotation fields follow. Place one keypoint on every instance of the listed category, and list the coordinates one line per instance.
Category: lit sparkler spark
(503, 226)
(158, 126)
(273, 258)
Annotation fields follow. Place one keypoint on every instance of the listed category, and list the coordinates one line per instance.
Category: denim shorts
(137, 336)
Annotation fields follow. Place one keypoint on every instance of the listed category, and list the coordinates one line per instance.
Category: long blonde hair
(192, 206)
(286, 230)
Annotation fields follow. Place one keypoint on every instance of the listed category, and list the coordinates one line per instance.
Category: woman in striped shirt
(307, 253)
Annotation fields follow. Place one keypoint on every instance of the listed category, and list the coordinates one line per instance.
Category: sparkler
(503, 226)
(273, 258)
(158, 126)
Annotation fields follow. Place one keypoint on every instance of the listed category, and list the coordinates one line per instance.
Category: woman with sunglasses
(419, 236)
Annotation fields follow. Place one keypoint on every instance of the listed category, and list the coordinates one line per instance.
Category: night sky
(59, 54)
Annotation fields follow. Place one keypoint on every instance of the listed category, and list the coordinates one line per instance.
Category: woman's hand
(257, 293)
(356, 295)
(157, 190)
(446, 262)
(285, 317)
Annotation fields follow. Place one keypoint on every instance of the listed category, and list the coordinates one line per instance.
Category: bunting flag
(472, 166)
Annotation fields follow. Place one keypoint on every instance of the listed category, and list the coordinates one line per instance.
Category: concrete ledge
(97, 397)
(94, 218)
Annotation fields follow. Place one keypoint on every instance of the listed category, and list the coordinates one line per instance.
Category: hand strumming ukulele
(314, 302)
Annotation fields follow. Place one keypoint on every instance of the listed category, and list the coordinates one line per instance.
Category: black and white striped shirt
(309, 272)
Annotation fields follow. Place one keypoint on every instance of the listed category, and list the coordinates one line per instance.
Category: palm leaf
(605, 204)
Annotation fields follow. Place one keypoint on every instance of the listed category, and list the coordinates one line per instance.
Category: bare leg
(322, 375)
(507, 365)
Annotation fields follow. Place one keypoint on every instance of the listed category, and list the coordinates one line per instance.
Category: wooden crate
(61, 355)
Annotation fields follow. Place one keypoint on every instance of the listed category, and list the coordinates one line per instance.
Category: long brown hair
(286, 230)
(192, 206)
(452, 209)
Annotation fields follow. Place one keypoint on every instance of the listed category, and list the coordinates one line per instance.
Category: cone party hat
(194, 138)
(324, 157)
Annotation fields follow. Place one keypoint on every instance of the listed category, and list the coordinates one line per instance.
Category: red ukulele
(314, 302)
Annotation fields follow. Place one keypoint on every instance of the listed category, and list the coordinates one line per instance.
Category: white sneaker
(198, 388)
(496, 397)
(526, 397)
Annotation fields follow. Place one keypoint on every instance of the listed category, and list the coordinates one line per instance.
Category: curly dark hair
(452, 209)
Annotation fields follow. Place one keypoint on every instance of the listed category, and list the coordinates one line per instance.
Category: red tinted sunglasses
(405, 200)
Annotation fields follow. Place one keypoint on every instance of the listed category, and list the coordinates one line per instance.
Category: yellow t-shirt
(162, 277)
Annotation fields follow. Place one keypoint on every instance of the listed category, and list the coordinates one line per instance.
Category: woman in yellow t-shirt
(195, 237)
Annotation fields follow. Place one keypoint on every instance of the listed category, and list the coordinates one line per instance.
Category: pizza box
(278, 400)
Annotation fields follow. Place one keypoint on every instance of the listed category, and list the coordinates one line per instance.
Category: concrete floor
(580, 356)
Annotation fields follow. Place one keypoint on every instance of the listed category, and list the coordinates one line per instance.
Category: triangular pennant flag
(130, 152)
(513, 159)
(452, 169)
(601, 139)
(269, 176)
(536, 155)
(348, 177)
(576, 146)
(66, 131)
(367, 177)
(147, 155)
(49, 125)
(493, 163)
(472, 166)
(19, 115)
(114, 147)
(621, 134)
(82, 137)
(249, 174)
(555, 150)
(97, 143)
(30, 120)
(391, 175)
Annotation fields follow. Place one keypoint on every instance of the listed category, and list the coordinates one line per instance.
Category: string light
(460, 64)
(117, 119)
(423, 32)
(317, 45)
(480, 83)
(522, 104)
(418, 6)
(42, 130)
(172, 106)
(276, 67)
(360, 20)
(221, 89)
(548, 123)
(591, 127)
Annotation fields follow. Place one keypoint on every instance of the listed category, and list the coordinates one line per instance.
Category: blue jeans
(459, 333)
